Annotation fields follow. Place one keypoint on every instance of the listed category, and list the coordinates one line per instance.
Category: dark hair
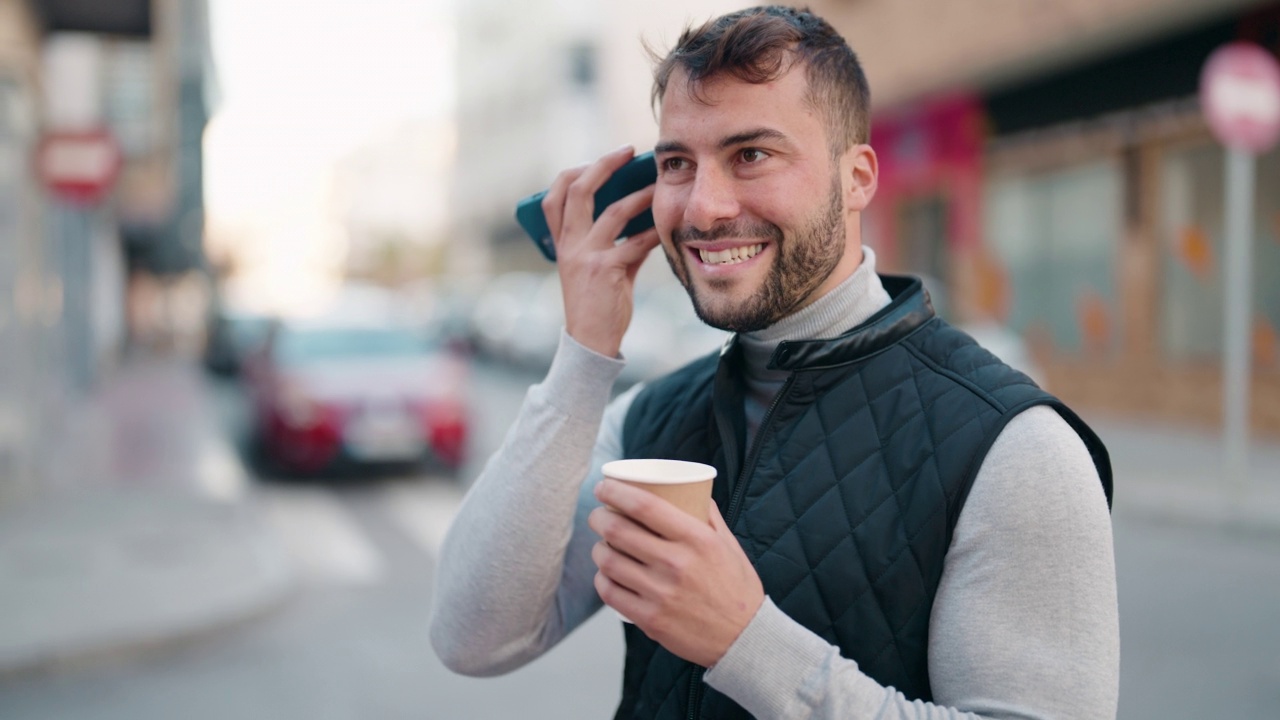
(760, 44)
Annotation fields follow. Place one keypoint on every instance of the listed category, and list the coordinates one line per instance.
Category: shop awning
(131, 18)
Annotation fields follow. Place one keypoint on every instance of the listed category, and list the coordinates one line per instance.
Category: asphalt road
(1199, 622)
(1200, 635)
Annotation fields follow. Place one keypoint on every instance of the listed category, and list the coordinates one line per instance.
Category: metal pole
(1237, 313)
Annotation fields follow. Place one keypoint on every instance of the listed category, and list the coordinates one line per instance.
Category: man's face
(749, 204)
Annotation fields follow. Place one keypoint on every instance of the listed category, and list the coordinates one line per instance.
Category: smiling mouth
(730, 256)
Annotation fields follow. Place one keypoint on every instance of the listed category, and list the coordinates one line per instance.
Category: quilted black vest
(849, 497)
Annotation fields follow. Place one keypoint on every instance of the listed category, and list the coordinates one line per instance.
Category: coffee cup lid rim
(666, 471)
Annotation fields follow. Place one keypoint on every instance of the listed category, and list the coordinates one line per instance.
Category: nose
(711, 199)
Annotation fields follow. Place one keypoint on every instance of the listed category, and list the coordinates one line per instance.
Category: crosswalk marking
(329, 546)
(423, 511)
(220, 474)
(325, 542)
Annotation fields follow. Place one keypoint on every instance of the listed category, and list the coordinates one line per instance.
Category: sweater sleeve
(1025, 622)
(515, 572)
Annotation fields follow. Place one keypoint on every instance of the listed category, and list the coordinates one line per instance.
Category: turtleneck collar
(849, 304)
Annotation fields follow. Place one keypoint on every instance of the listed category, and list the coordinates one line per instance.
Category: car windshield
(302, 346)
(248, 331)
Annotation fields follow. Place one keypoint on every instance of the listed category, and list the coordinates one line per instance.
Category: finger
(615, 217)
(657, 515)
(553, 201)
(616, 596)
(580, 198)
(621, 568)
(636, 248)
(605, 521)
(627, 536)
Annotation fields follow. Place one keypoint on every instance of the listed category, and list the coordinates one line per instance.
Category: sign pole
(1240, 97)
(1237, 312)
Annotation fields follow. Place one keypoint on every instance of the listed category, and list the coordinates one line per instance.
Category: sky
(301, 84)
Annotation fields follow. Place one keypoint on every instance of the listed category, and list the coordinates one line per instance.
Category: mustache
(737, 229)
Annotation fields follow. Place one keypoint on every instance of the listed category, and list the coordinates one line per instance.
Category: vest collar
(908, 310)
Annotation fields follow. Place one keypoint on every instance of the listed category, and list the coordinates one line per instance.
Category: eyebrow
(742, 138)
(751, 136)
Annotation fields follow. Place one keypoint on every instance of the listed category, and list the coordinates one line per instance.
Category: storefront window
(1266, 264)
(1056, 235)
(1193, 252)
(923, 245)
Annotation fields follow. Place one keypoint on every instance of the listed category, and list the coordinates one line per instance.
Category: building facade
(544, 86)
(30, 283)
(1048, 166)
(73, 69)
(391, 197)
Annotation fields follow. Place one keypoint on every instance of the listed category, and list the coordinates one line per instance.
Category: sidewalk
(1178, 474)
(137, 539)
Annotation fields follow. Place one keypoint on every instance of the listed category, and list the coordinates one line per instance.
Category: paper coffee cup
(687, 485)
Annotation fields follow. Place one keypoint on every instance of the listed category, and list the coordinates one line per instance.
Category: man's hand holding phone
(597, 274)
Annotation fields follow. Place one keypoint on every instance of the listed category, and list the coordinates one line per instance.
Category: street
(1199, 633)
(352, 644)
(1198, 628)
(353, 641)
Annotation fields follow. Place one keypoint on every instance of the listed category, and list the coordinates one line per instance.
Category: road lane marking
(321, 537)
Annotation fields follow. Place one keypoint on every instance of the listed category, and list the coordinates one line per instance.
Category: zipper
(695, 697)
(739, 487)
(735, 500)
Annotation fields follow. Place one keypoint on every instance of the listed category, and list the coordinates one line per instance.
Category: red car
(327, 393)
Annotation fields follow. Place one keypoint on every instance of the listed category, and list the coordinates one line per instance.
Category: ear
(861, 172)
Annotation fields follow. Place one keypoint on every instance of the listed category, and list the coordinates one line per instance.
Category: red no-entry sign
(79, 167)
(1240, 96)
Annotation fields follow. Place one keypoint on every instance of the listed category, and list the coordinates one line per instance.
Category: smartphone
(637, 174)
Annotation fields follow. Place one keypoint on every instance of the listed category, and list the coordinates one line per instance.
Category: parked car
(329, 393)
(536, 333)
(495, 319)
(665, 333)
(233, 335)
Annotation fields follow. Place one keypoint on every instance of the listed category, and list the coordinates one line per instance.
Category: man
(906, 528)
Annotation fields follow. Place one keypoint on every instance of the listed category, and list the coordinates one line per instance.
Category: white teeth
(730, 256)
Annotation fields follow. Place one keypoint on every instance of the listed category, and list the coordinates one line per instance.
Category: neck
(847, 305)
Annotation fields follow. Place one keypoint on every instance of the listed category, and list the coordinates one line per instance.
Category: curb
(1252, 508)
(135, 610)
(51, 661)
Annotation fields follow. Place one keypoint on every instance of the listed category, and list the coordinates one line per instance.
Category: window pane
(1191, 240)
(1057, 236)
(1084, 210)
(1266, 264)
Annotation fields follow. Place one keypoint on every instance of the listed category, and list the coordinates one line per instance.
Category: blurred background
(265, 311)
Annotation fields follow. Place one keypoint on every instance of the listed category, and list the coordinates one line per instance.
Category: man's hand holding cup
(685, 582)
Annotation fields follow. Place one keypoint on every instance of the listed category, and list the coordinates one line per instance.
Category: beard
(804, 261)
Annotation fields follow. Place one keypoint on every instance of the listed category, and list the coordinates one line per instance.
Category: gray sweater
(1024, 624)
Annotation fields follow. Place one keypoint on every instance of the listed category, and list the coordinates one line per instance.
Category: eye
(674, 164)
(752, 155)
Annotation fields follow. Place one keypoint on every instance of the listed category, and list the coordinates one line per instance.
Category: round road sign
(1240, 95)
(79, 167)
